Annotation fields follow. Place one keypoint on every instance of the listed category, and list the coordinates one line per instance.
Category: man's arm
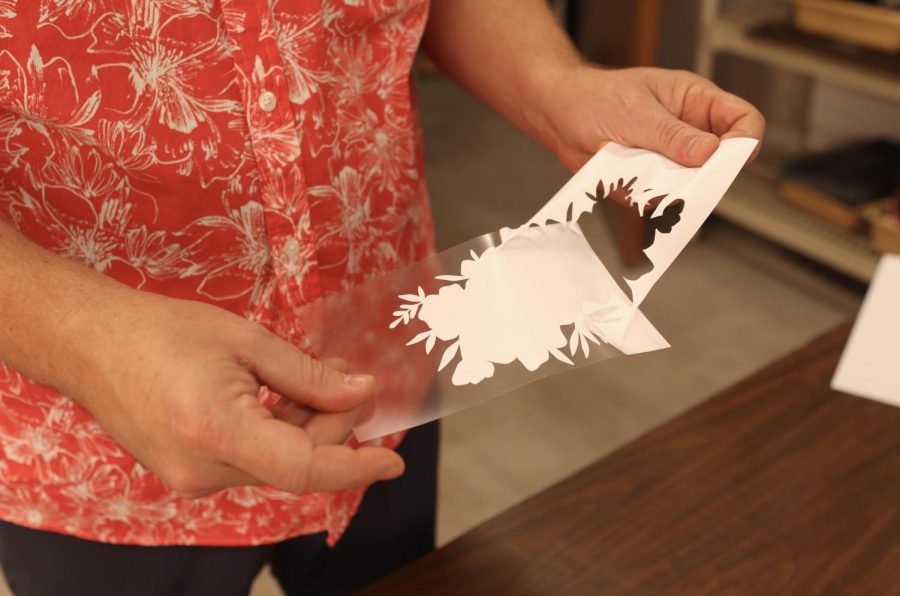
(513, 55)
(176, 381)
(45, 312)
(508, 53)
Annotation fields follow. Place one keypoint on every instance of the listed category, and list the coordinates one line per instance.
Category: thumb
(284, 456)
(664, 133)
(286, 370)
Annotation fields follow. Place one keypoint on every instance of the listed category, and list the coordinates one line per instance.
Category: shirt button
(267, 101)
(291, 247)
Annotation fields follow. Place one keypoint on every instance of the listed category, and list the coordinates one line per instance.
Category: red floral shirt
(253, 154)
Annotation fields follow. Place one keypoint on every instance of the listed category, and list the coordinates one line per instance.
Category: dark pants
(394, 525)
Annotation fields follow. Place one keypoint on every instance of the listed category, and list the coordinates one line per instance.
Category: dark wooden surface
(776, 486)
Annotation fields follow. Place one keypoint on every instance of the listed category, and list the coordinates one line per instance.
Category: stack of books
(854, 187)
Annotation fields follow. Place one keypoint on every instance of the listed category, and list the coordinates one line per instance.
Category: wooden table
(776, 486)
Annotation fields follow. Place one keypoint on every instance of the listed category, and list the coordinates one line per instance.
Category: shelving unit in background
(752, 202)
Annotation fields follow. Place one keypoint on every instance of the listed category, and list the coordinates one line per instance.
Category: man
(177, 177)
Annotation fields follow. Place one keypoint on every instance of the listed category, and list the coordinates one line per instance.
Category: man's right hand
(176, 383)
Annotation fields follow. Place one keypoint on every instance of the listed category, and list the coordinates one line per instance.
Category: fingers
(705, 109)
(731, 116)
(724, 114)
(323, 428)
(222, 476)
(335, 467)
(198, 480)
(309, 382)
(337, 364)
(285, 456)
(662, 132)
(293, 413)
(333, 429)
(734, 117)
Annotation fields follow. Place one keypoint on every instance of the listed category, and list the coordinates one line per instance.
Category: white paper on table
(508, 308)
(868, 366)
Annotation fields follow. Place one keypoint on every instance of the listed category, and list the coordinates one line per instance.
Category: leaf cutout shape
(560, 356)
(587, 333)
(429, 345)
(448, 355)
(410, 297)
(418, 338)
(573, 342)
(451, 277)
(395, 323)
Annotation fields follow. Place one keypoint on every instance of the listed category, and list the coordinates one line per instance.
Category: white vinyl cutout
(508, 308)
(513, 301)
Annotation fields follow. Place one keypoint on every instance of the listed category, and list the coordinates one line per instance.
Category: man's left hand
(676, 113)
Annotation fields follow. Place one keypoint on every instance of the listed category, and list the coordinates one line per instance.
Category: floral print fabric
(253, 154)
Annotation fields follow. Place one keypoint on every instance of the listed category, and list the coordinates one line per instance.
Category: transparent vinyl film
(510, 307)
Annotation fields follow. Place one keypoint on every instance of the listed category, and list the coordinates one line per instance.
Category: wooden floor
(728, 306)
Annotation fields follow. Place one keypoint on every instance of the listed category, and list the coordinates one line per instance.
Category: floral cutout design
(543, 293)
(493, 313)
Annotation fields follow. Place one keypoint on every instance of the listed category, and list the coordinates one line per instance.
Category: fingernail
(392, 471)
(356, 380)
